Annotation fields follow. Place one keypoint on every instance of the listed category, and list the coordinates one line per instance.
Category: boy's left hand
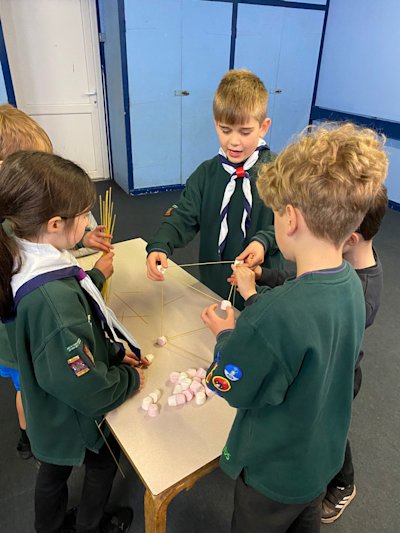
(253, 254)
(97, 239)
(214, 322)
(105, 264)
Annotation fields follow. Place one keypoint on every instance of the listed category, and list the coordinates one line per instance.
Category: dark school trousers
(256, 513)
(345, 476)
(51, 491)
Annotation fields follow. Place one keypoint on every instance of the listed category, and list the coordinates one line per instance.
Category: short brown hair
(18, 131)
(332, 173)
(240, 95)
(372, 221)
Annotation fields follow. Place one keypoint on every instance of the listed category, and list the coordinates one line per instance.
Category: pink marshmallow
(188, 395)
(196, 387)
(180, 399)
(153, 410)
(191, 372)
(201, 373)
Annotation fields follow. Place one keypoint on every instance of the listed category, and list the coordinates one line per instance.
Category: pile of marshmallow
(188, 385)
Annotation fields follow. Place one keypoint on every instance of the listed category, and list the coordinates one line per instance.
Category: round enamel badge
(233, 372)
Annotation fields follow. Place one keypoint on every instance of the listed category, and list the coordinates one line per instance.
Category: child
(18, 131)
(71, 373)
(358, 250)
(288, 365)
(220, 199)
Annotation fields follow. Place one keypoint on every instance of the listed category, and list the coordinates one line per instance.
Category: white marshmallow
(177, 389)
(172, 400)
(149, 358)
(155, 395)
(154, 410)
(146, 402)
(185, 384)
(161, 269)
(161, 341)
(183, 375)
(200, 398)
(225, 304)
(236, 262)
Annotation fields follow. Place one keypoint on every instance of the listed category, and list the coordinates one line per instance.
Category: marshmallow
(183, 375)
(180, 399)
(185, 384)
(236, 262)
(154, 410)
(177, 389)
(201, 373)
(209, 392)
(201, 398)
(146, 402)
(161, 341)
(174, 377)
(149, 358)
(225, 304)
(191, 372)
(172, 400)
(161, 269)
(196, 387)
(155, 395)
(188, 395)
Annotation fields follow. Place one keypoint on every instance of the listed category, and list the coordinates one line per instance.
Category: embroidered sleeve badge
(221, 383)
(170, 210)
(78, 366)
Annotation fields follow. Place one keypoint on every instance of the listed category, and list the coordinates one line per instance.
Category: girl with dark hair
(66, 341)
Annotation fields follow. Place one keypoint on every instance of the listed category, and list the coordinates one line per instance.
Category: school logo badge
(78, 366)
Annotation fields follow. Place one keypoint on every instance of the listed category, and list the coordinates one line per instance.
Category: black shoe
(24, 449)
(69, 524)
(118, 521)
(335, 502)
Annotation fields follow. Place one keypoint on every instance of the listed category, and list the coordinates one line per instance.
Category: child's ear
(54, 225)
(291, 218)
(353, 240)
(265, 127)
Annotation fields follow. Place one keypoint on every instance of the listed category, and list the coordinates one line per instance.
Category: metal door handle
(277, 91)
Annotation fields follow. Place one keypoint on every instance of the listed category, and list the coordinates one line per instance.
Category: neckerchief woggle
(42, 263)
(237, 171)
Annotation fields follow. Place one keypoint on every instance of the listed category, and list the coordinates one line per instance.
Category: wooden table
(172, 451)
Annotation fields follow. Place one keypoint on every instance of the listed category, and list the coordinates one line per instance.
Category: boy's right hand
(105, 264)
(245, 279)
(154, 259)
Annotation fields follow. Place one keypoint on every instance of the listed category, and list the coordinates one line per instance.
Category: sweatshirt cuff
(158, 247)
(250, 300)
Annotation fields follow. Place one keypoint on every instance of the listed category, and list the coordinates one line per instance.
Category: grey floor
(375, 430)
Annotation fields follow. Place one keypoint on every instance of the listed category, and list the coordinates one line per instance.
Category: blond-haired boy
(288, 363)
(220, 198)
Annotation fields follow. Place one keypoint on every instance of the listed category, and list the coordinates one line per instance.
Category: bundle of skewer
(107, 219)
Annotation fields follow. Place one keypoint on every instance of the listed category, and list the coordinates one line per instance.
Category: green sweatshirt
(70, 373)
(288, 368)
(198, 209)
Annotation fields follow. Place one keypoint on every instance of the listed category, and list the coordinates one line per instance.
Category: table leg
(156, 506)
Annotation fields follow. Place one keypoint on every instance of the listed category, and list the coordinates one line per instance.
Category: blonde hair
(240, 95)
(332, 173)
(18, 131)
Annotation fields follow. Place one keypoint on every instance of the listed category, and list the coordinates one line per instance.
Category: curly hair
(332, 173)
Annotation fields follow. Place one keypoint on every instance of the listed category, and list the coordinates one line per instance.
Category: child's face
(240, 141)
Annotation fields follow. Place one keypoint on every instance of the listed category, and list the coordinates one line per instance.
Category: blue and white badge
(233, 372)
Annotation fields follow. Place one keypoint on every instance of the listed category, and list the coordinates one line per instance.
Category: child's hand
(257, 274)
(253, 254)
(140, 371)
(245, 279)
(133, 360)
(154, 259)
(97, 239)
(105, 264)
(214, 322)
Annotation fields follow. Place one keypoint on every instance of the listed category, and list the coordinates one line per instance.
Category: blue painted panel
(393, 179)
(206, 35)
(3, 92)
(110, 26)
(359, 69)
(153, 35)
(281, 46)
